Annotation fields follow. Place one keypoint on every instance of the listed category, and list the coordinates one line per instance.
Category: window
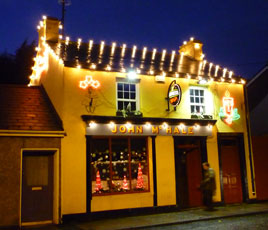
(197, 100)
(127, 96)
(119, 165)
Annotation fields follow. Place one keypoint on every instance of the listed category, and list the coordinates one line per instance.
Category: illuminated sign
(228, 113)
(147, 130)
(174, 94)
(89, 82)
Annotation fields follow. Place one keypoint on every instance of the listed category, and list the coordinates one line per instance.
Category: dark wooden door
(37, 187)
(188, 175)
(231, 172)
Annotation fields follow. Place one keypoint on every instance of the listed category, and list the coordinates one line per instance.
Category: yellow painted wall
(213, 159)
(53, 81)
(165, 166)
(62, 86)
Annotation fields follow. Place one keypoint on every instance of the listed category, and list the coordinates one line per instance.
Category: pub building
(139, 123)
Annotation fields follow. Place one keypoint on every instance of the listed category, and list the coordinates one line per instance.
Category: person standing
(208, 186)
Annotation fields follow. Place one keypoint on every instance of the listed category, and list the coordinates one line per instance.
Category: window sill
(129, 114)
(206, 117)
(119, 193)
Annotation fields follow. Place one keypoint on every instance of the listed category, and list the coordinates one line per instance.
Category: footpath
(170, 218)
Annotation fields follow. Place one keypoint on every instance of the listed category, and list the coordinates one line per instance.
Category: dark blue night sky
(234, 32)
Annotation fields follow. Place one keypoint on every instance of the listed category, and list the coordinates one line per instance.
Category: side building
(30, 149)
(139, 123)
(258, 106)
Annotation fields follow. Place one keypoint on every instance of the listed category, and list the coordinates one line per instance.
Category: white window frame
(206, 103)
(137, 99)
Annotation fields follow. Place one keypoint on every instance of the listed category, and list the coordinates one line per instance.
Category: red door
(260, 151)
(231, 172)
(194, 174)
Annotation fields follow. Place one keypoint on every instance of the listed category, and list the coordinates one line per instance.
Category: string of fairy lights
(44, 50)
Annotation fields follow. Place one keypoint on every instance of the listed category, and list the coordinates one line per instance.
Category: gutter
(31, 133)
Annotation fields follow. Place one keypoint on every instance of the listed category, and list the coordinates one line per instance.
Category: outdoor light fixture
(209, 126)
(148, 125)
(202, 81)
(111, 124)
(128, 125)
(92, 124)
(132, 75)
(165, 125)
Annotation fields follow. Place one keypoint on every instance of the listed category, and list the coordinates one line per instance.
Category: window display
(119, 165)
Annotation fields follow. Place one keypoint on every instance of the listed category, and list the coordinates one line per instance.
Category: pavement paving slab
(180, 217)
(162, 219)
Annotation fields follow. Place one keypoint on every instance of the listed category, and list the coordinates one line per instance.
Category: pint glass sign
(228, 113)
(174, 94)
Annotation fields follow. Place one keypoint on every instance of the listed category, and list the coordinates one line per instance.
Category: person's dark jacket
(208, 183)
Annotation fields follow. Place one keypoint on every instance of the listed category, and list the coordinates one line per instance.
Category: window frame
(198, 104)
(109, 138)
(137, 91)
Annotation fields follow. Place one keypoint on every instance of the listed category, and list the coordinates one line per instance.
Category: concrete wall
(10, 173)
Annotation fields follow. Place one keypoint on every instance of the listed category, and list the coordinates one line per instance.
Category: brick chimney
(192, 48)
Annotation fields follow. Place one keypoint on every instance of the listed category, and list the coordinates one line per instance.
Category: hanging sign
(174, 95)
(228, 113)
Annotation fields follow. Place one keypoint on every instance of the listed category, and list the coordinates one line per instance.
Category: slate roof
(27, 108)
(84, 54)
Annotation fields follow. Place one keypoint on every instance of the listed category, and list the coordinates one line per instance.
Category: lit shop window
(197, 100)
(127, 96)
(119, 165)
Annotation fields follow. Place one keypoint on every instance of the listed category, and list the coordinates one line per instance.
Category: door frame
(243, 169)
(203, 151)
(56, 185)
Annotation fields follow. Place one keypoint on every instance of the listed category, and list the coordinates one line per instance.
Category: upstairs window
(197, 100)
(127, 96)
